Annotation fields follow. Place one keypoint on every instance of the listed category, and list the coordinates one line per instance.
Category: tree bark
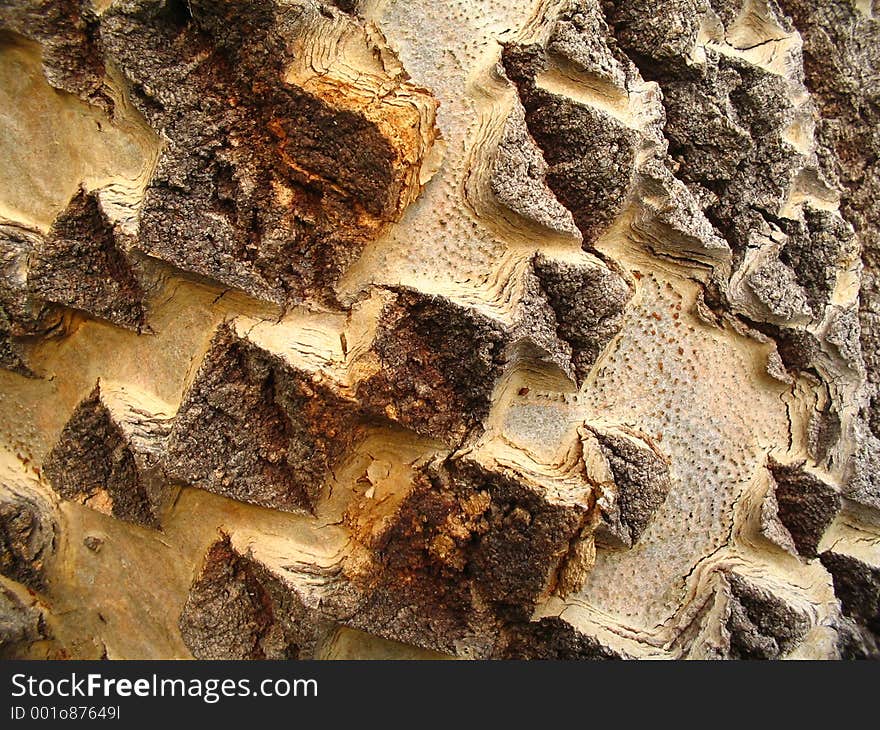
(384, 329)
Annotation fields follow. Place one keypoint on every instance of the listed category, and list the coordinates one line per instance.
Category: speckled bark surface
(488, 329)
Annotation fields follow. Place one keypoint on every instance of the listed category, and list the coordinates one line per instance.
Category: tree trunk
(385, 329)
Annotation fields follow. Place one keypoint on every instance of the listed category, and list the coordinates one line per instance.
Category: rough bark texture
(108, 456)
(514, 330)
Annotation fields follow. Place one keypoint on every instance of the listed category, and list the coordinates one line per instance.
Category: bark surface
(522, 329)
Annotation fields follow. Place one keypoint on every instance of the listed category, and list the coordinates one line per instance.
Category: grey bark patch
(641, 484)
(236, 609)
(438, 365)
(843, 333)
(776, 286)
(254, 428)
(725, 124)
(855, 641)
(591, 158)
(857, 586)
(28, 529)
(663, 32)
(589, 304)
(771, 526)
(799, 349)
(806, 505)
(535, 334)
(22, 317)
(823, 432)
(671, 220)
(758, 623)
(20, 624)
(552, 638)
(581, 37)
(815, 250)
(81, 264)
(590, 155)
(863, 478)
(518, 178)
(107, 458)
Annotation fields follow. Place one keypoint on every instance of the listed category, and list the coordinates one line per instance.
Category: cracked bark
(564, 350)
